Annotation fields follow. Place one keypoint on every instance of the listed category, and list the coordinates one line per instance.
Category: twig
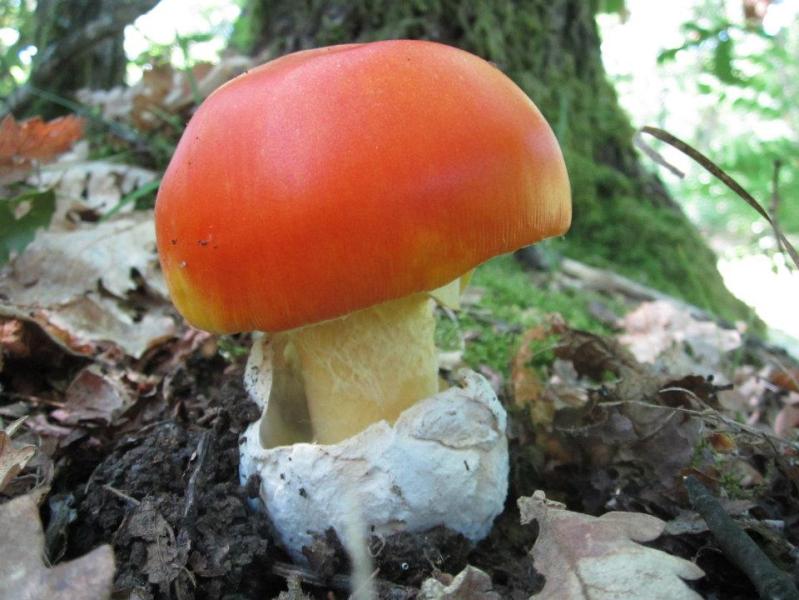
(602, 280)
(719, 174)
(121, 494)
(364, 587)
(770, 582)
(708, 413)
(774, 207)
(340, 582)
(190, 507)
(654, 155)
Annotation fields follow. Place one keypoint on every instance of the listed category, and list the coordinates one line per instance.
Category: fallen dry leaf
(787, 379)
(787, 420)
(525, 383)
(294, 591)
(22, 142)
(162, 88)
(12, 338)
(95, 396)
(597, 558)
(469, 584)
(77, 285)
(660, 332)
(163, 91)
(24, 575)
(12, 459)
(89, 188)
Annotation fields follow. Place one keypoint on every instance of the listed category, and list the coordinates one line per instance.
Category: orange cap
(333, 179)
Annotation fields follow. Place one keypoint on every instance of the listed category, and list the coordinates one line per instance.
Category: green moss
(509, 305)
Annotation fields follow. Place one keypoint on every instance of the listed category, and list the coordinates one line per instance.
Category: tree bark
(623, 215)
(79, 45)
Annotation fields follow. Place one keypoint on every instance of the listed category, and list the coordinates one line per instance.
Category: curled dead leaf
(527, 387)
(595, 356)
(785, 378)
(94, 396)
(722, 442)
(23, 142)
(12, 459)
(787, 420)
(526, 384)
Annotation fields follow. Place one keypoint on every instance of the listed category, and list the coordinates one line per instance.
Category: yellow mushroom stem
(365, 366)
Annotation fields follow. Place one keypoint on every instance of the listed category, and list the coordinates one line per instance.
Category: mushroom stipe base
(444, 462)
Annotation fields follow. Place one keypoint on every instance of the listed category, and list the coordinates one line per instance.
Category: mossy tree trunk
(623, 216)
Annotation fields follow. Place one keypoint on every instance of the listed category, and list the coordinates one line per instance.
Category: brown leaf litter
(24, 575)
(23, 143)
(91, 287)
(13, 458)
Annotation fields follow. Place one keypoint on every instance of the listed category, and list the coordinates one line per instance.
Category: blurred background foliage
(722, 75)
(738, 76)
(726, 72)
(751, 76)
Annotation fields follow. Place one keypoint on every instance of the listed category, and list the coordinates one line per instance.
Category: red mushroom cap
(333, 179)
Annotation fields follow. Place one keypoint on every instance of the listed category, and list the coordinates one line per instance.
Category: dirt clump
(169, 500)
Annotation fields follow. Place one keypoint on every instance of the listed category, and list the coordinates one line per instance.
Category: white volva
(444, 462)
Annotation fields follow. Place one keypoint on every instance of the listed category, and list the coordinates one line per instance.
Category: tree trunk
(623, 216)
(80, 45)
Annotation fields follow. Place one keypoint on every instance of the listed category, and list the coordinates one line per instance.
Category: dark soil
(168, 498)
(162, 488)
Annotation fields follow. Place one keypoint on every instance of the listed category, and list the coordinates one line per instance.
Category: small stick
(722, 176)
(771, 582)
(190, 506)
(342, 583)
(774, 208)
(121, 494)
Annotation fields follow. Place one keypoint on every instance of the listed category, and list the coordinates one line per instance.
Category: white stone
(444, 462)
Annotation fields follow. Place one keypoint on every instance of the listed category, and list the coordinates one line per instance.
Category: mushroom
(323, 197)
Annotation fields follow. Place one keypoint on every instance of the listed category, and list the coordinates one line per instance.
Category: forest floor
(142, 454)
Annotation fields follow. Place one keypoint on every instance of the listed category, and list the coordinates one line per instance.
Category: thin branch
(655, 156)
(196, 479)
(769, 581)
(121, 494)
(727, 180)
(707, 413)
(774, 208)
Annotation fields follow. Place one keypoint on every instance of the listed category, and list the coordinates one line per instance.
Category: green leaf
(722, 61)
(612, 6)
(21, 217)
(704, 88)
(668, 55)
(133, 196)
